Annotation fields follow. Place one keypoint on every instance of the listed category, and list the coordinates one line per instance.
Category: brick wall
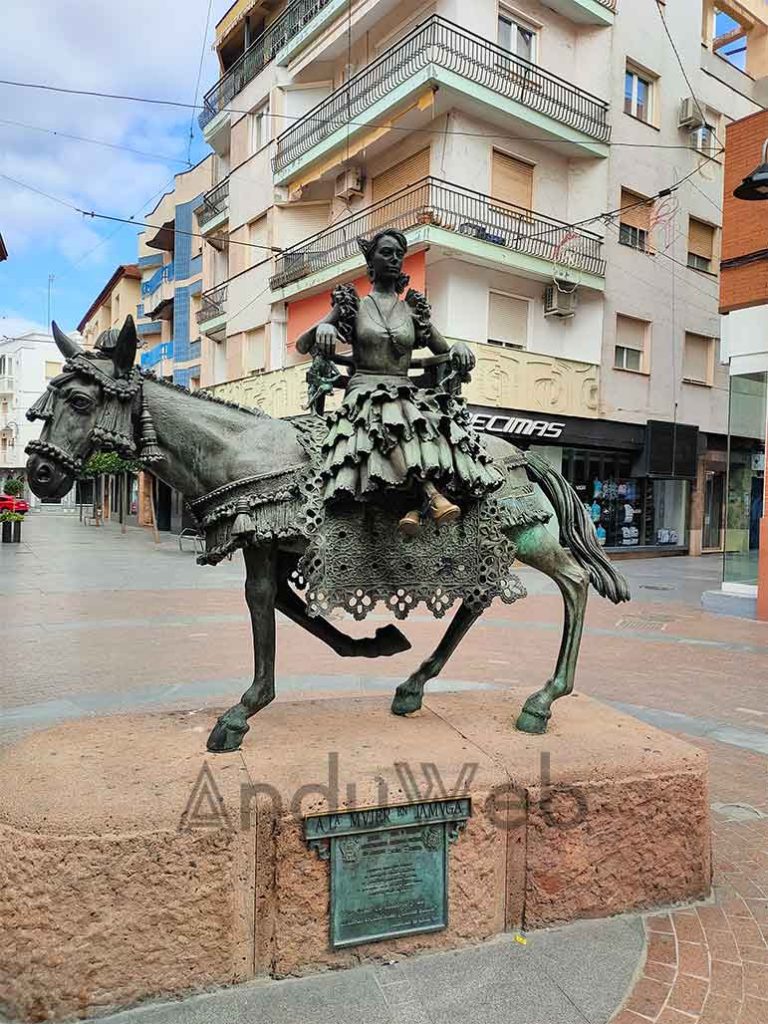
(745, 224)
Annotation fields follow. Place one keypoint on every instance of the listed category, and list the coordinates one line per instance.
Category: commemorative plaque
(389, 867)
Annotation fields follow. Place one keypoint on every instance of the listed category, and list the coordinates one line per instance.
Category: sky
(145, 48)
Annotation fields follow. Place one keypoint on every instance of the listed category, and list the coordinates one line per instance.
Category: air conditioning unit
(561, 302)
(349, 183)
(690, 115)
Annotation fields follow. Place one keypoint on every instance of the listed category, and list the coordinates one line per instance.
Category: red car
(10, 504)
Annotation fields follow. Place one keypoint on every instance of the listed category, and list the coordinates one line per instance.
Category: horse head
(91, 406)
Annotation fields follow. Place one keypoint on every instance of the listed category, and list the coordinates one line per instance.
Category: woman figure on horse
(390, 433)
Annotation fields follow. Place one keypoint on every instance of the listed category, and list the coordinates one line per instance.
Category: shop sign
(517, 426)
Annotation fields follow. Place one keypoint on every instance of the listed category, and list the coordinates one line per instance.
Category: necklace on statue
(386, 323)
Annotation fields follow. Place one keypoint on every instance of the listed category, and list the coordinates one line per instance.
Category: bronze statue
(259, 484)
(390, 433)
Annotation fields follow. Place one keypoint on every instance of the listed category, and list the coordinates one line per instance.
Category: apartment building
(171, 265)
(27, 363)
(119, 297)
(519, 146)
(170, 261)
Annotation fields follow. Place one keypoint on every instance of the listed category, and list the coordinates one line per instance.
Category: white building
(485, 131)
(27, 363)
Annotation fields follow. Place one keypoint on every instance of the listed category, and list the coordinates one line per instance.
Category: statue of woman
(388, 432)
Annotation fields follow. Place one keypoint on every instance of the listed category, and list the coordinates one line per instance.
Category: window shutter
(701, 238)
(407, 172)
(631, 333)
(512, 180)
(638, 216)
(508, 320)
(696, 358)
(300, 221)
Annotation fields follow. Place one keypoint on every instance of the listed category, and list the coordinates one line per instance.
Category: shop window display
(746, 473)
(628, 511)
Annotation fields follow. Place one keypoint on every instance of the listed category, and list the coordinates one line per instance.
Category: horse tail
(577, 531)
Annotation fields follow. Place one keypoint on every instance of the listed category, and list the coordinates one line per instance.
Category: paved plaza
(97, 622)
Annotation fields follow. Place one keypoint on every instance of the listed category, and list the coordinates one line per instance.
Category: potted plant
(11, 527)
(14, 487)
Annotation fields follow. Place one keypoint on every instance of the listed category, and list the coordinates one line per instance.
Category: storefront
(634, 479)
(746, 479)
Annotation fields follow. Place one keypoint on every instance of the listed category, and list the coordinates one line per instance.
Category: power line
(124, 220)
(325, 122)
(197, 83)
(94, 142)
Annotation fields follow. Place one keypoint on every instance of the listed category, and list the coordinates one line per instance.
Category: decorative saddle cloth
(356, 557)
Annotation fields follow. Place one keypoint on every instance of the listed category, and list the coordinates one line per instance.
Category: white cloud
(12, 326)
(140, 48)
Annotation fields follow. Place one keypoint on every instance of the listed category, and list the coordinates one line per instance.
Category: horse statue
(251, 481)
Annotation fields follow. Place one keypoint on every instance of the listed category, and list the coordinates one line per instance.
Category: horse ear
(68, 348)
(124, 352)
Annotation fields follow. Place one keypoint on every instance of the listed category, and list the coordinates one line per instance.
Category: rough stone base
(126, 874)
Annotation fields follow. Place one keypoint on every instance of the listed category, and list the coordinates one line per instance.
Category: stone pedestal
(136, 865)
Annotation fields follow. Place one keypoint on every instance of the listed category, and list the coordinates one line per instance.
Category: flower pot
(7, 533)
(16, 533)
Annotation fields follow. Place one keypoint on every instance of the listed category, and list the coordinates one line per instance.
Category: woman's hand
(326, 337)
(462, 357)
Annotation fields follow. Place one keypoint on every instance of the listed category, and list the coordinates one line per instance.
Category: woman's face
(387, 259)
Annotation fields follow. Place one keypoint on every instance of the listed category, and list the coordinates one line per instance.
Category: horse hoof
(532, 721)
(406, 703)
(226, 736)
(391, 641)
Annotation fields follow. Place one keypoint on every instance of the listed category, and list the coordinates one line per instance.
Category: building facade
(521, 147)
(170, 263)
(744, 304)
(118, 298)
(27, 363)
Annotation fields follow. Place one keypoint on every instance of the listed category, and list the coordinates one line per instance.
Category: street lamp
(755, 185)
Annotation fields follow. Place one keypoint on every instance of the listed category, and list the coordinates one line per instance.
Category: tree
(14, 486)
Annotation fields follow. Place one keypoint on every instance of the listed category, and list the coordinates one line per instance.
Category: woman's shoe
(443, 511)
(410, 524)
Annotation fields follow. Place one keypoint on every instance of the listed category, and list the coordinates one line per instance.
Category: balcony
(296, 26)
(470, 71)
(7, 385)
(158, 293)
(212, 315)
(586, 12)
(214, 209)
(434, 212)
(157, 354)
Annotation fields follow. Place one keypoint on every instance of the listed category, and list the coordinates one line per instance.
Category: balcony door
(403, 211)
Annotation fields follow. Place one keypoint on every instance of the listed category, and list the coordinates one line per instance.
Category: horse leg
(387, 641)
(409, 695)
(260, 595)
(538, 548)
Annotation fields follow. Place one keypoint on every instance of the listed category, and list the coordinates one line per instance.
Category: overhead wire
(94, 142)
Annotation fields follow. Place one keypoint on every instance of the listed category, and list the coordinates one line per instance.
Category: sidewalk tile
(648, 997)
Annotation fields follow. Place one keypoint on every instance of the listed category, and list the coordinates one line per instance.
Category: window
(194, 383)
(260, 125)
(730, 38)
(6, 366)
(257, 239)
(407, 172)
(508, 319)
(52, 370)
(638, 95)
(116, 308)
(511, 180)
(631, 337)
(516, 37)
(635, 220)
(255, 350)
(701, 245)
(698, 359)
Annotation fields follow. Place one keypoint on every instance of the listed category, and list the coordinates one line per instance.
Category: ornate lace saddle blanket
(356, 557)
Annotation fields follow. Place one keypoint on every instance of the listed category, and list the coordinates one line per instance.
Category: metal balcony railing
(610, 4)
(453, 208)
(455, 49)
(214, 202)
(261, 51)
(212, 303)
(154, 282)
